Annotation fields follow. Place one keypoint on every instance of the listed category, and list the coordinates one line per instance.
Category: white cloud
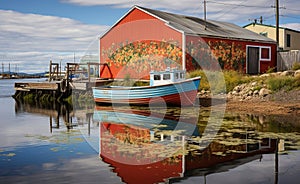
(235, 11)
(39, 38)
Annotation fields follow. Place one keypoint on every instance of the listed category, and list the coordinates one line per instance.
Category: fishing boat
(169, 86)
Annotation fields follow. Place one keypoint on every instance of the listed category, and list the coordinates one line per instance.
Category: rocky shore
(258, 90)
(255, 97)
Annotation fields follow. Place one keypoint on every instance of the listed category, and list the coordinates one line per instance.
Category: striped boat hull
(179, 94)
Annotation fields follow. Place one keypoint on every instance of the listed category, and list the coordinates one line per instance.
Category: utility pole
(204, 4)
(261, 20)
(9, 70)
(277, 22)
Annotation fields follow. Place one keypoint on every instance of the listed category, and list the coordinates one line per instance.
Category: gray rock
(253, 84)
(229, 95)
(248, 98)
(264, 92)
(265, 75)
(235, 93)
(237, 88)
(277, 74)
(250, 93)
(287, 73)
(297, 73)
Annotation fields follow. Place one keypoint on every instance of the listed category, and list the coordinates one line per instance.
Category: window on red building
(265, 53)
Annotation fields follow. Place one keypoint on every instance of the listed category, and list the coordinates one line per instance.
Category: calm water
(93, 144)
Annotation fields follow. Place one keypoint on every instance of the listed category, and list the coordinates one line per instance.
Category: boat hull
(176, 94)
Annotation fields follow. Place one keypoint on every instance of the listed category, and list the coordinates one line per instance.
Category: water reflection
(170, 146)
(146, 143)
(58, 113)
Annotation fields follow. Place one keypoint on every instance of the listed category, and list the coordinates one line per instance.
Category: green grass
(234, 78)
(283, 82)
(296, 66)
(219, 82)
(214, 81)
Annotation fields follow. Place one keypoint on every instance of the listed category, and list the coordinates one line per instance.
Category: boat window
(181, 75)
(166, 76)
(176, 75)
(156, 77)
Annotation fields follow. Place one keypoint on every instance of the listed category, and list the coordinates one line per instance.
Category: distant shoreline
(25, 77)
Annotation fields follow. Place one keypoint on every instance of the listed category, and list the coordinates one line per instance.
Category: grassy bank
(286, 83)
(224, 82)
(219, 82)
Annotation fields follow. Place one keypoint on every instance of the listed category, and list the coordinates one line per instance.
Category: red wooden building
(146, 39)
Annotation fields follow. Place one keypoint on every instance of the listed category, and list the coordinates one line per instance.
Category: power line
(290, 16)
(241, 5)
(286, 3)
(230, 9)
(292, 9)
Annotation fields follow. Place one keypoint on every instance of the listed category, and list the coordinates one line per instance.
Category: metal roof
(211, 28)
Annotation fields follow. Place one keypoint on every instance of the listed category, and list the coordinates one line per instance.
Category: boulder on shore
(264, 92)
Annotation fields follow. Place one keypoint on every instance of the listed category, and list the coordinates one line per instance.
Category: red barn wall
(130, 37)
(211, 53)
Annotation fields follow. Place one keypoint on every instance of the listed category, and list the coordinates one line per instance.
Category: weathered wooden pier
(61, 84)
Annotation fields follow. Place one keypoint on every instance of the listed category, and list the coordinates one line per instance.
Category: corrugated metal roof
(196, 26)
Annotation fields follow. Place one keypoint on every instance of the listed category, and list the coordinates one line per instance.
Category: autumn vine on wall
(227, 54)
(144, 56)
(141, 57)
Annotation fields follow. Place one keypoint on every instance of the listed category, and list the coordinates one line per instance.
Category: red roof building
(146, 39)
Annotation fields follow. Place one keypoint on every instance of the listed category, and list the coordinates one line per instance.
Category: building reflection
(143, 147)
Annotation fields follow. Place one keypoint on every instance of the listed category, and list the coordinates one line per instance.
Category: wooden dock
(61, 85)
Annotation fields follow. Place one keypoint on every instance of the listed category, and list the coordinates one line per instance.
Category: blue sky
(85, 14)
(32, 32)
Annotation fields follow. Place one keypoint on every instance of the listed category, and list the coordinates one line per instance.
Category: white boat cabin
(166, 77)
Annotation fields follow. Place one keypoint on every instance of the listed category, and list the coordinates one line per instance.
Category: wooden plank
(37, 85)
(21, 89)
(79, 85)
(51, 86)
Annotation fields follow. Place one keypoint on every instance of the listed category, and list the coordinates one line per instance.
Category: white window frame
(260, 53)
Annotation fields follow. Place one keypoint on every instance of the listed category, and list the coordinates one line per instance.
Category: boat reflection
(144, 147)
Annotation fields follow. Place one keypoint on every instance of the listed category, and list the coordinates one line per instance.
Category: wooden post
(60, 70)
(50, 70)
(50, 118)
(57, 66)
(68, 75)
(276, 162)
(89, 74)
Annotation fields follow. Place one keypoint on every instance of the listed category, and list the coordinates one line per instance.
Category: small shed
(145, 40)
